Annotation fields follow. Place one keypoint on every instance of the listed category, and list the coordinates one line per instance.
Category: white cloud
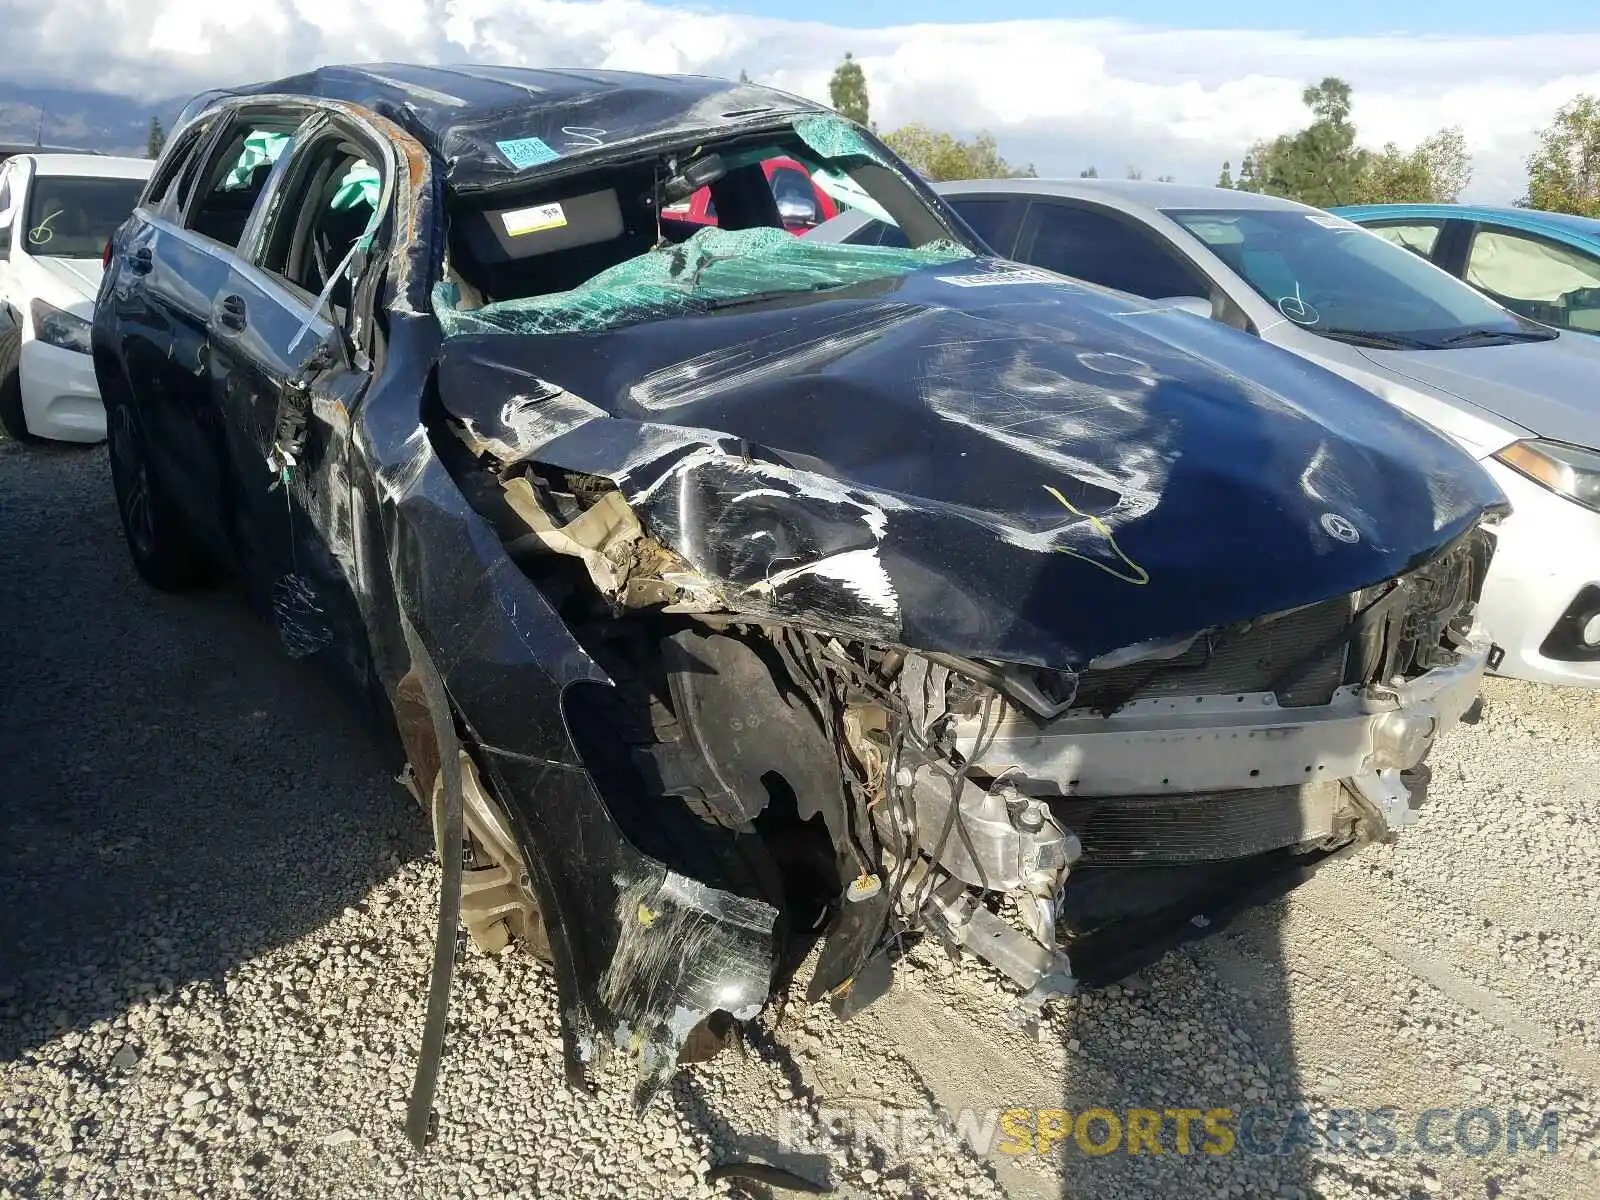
(1060, 93)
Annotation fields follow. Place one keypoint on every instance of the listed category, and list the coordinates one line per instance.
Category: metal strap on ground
(450, 832)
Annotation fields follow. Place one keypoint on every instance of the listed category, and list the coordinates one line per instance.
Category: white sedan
(1520, 397)
(57, 211)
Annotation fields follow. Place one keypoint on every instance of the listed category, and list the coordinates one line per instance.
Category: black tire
(164, 551)
(11, 414)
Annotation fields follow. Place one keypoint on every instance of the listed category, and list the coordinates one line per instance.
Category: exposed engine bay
(1063, 826)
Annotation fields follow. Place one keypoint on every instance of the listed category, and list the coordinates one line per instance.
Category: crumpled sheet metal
(714, 264)
(497, 125)
(981, 461)
(506, 658)
(684, 950)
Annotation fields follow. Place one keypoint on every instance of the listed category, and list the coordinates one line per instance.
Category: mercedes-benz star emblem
(1339, 527)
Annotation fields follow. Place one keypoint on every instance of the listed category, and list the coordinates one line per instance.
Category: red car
(801, 204)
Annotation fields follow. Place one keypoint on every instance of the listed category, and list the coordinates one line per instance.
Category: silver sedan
(1522, 398)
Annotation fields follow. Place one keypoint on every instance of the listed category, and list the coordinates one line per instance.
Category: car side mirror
(798, 210)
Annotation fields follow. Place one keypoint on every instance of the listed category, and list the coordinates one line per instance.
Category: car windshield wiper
(1485, 335)
(764, 297)
(1367, 337)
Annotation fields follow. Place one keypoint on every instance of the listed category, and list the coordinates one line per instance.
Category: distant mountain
(83, 120)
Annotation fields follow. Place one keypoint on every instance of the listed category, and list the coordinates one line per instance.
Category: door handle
(140, 261)
(231, 313)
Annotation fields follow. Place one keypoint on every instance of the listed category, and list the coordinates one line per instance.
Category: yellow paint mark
(1139, 575)
(647, 915)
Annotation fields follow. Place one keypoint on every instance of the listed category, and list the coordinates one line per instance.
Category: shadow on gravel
(1168, 1078)
(170, 804)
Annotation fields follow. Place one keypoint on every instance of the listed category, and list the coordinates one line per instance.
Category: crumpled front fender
(643, 954)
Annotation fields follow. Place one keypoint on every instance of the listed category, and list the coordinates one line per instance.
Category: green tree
(1322, 164)
(1089, 173)
(847, 91)
(744, 76)
(942, 156)
(1225, 179)
(1435, 172)
(156, 139)
(1564, 173)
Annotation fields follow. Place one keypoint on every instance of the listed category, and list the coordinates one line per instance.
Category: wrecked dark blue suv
(733, 593)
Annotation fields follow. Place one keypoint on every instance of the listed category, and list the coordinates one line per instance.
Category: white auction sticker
(520, 221)
(1003, 276)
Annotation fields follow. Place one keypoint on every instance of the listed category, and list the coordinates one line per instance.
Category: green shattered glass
(260, 147)
(714, 264)
(834, 137)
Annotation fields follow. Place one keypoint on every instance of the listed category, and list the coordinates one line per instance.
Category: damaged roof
(490, 125)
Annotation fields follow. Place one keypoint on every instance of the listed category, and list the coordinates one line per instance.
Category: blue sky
(1457, 17)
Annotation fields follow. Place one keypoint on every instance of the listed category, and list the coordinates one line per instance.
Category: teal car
(1541, 265)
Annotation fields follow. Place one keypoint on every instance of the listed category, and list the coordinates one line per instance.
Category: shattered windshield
(672, 233)
(714, 269)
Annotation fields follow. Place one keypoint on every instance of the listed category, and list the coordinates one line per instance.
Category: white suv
(56, 213)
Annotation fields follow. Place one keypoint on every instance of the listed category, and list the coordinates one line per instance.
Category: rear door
(284, 379)
(176, 263)
(159, 293)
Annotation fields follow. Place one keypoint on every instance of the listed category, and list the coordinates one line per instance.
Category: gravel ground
(215, 926)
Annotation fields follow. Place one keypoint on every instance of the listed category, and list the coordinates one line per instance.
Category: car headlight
(55, 327)
(1572, 471)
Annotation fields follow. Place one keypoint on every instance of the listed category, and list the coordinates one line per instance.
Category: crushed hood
(980, 459)
(1547, 387)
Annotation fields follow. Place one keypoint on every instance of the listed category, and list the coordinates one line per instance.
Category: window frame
(318, 130)
(210, 173)
(5, 190)
(1028, 232)
(163, 195)
(1512, 231)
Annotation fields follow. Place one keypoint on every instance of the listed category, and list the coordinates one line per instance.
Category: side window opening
(237, 175)
(1099, 248)
(1538, 279)
(328, 205)
(878, 233)
(1418, 237)
(173, 179)
(993, 218)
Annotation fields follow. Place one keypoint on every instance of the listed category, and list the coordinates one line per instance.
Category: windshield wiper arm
(1483, 335)
(763, 297)
(1367, 337)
